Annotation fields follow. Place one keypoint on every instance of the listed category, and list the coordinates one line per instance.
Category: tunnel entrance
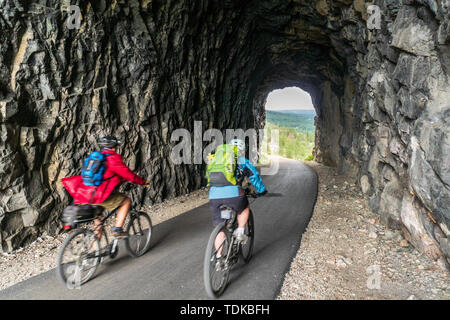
(291, 113)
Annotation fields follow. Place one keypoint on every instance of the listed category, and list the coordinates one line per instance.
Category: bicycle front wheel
(139, 234)
(216, 270)
(78, 258)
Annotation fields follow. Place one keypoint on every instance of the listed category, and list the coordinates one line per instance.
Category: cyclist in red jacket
(105, 195)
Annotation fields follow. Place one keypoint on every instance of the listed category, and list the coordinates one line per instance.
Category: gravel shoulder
(347, 253)
(40, 256)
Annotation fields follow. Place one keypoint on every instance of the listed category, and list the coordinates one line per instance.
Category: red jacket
(115, 173)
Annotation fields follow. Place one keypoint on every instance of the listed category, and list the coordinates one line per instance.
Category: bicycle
(216, 271)
(81, 252)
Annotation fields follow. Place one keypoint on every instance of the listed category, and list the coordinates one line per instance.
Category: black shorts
(238, 204)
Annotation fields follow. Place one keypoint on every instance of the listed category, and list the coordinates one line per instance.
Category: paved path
(173, 267)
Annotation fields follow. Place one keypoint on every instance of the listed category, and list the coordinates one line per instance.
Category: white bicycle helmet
(238, 143)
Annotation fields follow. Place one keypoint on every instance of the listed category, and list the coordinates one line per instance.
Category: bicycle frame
(113, 250)
(99, 227)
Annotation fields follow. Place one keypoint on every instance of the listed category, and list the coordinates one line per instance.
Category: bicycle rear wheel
(247, 249)
(215, 273)
(139, 234)
(78, 258)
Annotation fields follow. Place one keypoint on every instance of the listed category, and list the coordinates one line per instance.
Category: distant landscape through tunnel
(291, 113)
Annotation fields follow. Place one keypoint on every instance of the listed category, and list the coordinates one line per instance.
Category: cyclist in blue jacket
(234, 196)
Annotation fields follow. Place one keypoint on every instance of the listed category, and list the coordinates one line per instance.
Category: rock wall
(140, 69)
(383, 105)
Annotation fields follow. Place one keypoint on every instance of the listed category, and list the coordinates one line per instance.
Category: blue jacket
(233, 191)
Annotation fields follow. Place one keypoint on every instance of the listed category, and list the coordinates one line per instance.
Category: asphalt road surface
(173, 267)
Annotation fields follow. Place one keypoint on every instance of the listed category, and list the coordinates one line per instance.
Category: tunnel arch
(324, 81)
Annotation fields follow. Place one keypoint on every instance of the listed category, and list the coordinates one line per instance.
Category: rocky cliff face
(140, 69)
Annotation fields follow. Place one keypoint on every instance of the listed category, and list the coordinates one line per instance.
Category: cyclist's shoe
(119, 233)
(240, 235)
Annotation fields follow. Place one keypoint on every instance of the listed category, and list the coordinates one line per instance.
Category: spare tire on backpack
(80, 213)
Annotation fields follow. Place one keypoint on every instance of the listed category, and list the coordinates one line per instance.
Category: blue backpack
(93, 169)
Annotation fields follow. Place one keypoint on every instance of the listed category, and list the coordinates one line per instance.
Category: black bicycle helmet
(108, 142)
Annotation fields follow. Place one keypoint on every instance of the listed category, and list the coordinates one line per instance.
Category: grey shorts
(238, 204)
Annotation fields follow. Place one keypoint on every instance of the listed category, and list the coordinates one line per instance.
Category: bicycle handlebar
(254, 194)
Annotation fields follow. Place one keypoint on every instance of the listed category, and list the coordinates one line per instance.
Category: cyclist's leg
(242, 207)
(220, 238)
(242, 218)
(97, 232)
(122, 212)
(98, 228)
(216, 220)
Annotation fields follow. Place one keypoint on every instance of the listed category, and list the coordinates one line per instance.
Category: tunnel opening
(332, 94)
(290, 112)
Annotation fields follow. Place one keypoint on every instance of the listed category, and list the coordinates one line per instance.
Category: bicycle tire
(132, 226)
(61, 270)
(250, 231)
(209, 266)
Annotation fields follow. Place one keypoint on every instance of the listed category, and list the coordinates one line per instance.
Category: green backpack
(221, 169)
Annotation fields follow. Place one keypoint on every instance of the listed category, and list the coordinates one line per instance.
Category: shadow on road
(160, 232)
(273, 195)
